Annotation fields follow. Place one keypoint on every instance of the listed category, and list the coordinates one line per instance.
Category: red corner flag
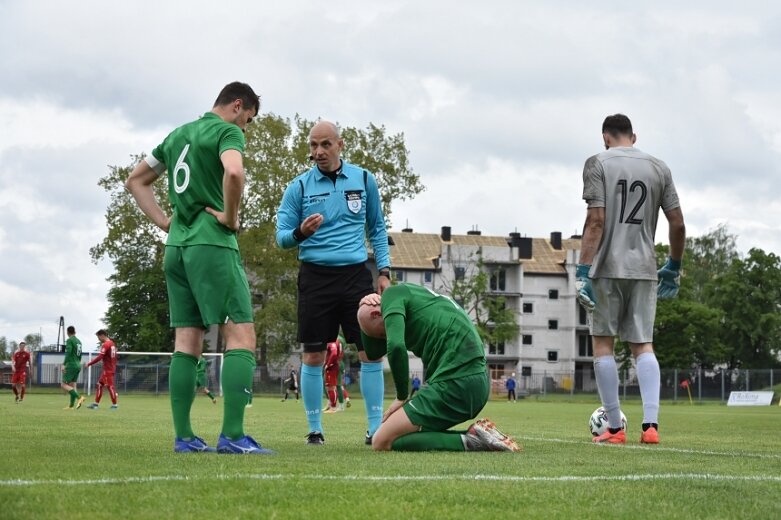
(685, 383)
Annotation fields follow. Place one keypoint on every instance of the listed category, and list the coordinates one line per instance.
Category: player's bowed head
(370, 316)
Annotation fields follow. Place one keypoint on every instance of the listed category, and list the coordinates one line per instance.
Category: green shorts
(71, 374)
(444, 404)
(206, 285)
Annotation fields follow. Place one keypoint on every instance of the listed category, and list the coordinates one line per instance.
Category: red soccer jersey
(20, 360)
(334, 354)
(108, 353)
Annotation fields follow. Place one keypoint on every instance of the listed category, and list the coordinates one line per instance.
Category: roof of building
(419, 250)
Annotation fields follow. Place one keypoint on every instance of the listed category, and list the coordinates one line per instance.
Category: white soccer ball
(597, 423)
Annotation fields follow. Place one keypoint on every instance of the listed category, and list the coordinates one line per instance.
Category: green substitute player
(412, 318)
(71, 367)
(202, 380)
(204, 274)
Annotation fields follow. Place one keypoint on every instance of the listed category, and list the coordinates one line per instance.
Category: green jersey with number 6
(191, 154)
(72, 353)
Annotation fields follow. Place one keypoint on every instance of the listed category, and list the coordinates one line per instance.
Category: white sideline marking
(399, 478)
(741, 454)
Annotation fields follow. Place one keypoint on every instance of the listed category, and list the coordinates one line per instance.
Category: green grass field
(714, 462)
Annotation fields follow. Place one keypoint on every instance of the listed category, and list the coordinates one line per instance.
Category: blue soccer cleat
(195, 445)
(244, 446)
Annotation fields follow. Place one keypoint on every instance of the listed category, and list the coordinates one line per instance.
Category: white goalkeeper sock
(650, 384)
(606, 372)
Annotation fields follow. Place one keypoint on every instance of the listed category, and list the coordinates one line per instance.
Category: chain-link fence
(699, 385)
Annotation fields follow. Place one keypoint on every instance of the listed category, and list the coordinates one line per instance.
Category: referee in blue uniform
(328, 212)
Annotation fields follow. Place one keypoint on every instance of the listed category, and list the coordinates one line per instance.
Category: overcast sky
(500, 103)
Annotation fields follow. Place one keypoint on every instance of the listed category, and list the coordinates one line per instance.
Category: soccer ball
(597, 423)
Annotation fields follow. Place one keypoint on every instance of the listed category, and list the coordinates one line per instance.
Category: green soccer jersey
(191, 154)
(72, 353)
(434, 328)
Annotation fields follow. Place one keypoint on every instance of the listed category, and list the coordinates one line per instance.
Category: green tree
(4, 348)
(277, 150)
(137, 317)
(749, 295)
(688, 334)
(34, 340)
(494, 321)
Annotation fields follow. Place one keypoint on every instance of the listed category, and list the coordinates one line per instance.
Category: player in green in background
(71, 367)
(202, 380)
(412, 318)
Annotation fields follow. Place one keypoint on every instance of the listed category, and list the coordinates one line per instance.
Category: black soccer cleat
(315, 439)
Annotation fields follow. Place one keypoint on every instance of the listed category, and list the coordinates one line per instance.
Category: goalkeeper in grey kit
(617, 277)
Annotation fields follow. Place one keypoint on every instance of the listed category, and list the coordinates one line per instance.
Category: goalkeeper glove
(585, 293)
(669, 279)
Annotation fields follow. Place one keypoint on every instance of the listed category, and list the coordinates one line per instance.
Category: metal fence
(151, 376)
(677, 384)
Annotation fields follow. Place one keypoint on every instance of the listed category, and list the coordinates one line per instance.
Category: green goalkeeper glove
(585, 293)
(669, 279)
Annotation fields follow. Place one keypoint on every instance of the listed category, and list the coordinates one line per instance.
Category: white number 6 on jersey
(181, 165)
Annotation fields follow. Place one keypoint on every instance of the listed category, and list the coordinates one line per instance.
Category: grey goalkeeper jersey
(631, 185)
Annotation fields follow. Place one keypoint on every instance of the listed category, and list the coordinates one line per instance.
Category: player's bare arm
(677, 232)
(139, 184)
(592, 234)
(232, 187)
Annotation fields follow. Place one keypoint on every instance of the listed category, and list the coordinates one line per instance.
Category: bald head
(325, 146)
(370, 320)
(326, 129)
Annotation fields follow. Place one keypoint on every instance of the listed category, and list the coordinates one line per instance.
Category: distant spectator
(510, 385)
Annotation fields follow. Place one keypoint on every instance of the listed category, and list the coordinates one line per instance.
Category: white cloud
(500, 104)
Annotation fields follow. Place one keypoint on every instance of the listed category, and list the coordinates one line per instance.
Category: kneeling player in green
(412, 318)
(71, 366)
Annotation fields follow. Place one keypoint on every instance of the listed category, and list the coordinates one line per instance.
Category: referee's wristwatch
(385, 272)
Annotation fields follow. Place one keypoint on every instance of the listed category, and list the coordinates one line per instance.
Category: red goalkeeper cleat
(611, 438)
(650, 436)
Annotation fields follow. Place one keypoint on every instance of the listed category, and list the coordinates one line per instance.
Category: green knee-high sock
(211, 395)
(181, 382)
(430, 441)
(237, 371)
(74, 396)
(339, 394)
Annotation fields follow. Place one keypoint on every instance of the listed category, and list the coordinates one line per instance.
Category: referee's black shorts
(328, 298)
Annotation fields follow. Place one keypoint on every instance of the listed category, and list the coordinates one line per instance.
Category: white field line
(399, 478)
(740, 454)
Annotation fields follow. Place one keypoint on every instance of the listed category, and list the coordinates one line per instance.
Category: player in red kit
(108, 354)
(334, 354)
(21, 361)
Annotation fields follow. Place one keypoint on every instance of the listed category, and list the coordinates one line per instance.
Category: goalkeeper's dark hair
(237, 90)
(617, 125)
(71, 329)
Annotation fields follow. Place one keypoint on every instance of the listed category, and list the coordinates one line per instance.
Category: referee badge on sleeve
(353, 200)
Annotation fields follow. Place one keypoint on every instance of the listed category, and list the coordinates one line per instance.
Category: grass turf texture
(714, 462)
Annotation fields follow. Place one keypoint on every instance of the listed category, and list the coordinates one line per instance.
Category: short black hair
(617, 125)
(71, 329)
(237, 90)
(101, 332)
